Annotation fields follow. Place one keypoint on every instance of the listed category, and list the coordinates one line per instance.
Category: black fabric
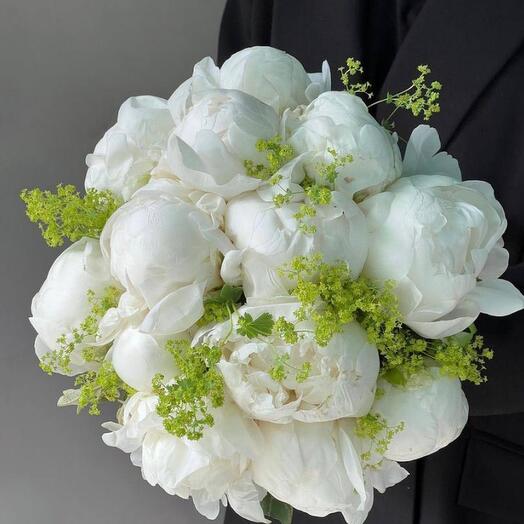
(491, 467)
(476, 48)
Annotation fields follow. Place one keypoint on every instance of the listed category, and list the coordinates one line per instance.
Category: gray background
(65, 68)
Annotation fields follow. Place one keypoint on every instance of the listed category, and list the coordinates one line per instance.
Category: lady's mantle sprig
(331, 298)
(375, 429)
(316, 192)
(102, 385)
(66, 214)
(277, 154)
(219, 305)
(353, 68)
(420, 98)
(60, 359)
(185, 404)
(94, 386)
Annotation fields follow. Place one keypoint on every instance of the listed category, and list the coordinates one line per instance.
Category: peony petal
(497, 297)
(245, 497)
(433, 414)
(458, 320)
(422, 155)
(188, 166)
(177, 312)
(137, 357)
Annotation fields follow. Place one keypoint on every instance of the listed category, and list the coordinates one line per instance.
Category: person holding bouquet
(477, 52)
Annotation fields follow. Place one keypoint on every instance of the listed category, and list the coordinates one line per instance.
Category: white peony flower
(166, 251)
(211, 470)
(137, 357)
(433, 412)
(62, 303)
(341, 122)
(341, 381)
(440, 240)
(206, 76)
(274, 77)
(136, 417)
(317, 469)
(270, 75)
(266, 237)
(209, 147)
(129, 151)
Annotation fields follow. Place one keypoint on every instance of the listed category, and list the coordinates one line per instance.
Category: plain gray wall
(65, 68)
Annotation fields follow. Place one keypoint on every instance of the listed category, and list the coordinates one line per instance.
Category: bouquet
(279, 301)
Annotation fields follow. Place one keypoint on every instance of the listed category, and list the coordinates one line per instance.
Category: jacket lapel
(466, 44)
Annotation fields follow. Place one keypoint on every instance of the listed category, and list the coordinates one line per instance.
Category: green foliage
(282, 199)
(319, 193)
(316, 193)
(251, 328)
(330, 298)
(328, 171)
(463, 356)
(60, 359)
(102, 385)
(276, 510)
(419, 98)
(375, 428)
(279, 370)
(306, 211)
(353, 68)
(66, 214)
(286, 330)
(303, 373)
(184, 404)
(219, 306)
(277, 154)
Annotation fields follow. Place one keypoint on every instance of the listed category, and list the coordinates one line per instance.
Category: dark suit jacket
(475, 49)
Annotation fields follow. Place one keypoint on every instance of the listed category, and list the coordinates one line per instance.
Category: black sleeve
(245, 23)
(503, 393)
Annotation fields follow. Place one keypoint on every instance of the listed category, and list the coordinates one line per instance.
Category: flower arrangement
(279, 301)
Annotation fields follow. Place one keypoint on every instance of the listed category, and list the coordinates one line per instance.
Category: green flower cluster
(319, 193)
(277, 154)
(102, 385)
(281, 369)
(316, 193)
(185, 403)
(67, 215)
(285, 330)
(60, 359)
(374, 428)
(463, 356)
(353, 68)
(330, 298)
(419, 98)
